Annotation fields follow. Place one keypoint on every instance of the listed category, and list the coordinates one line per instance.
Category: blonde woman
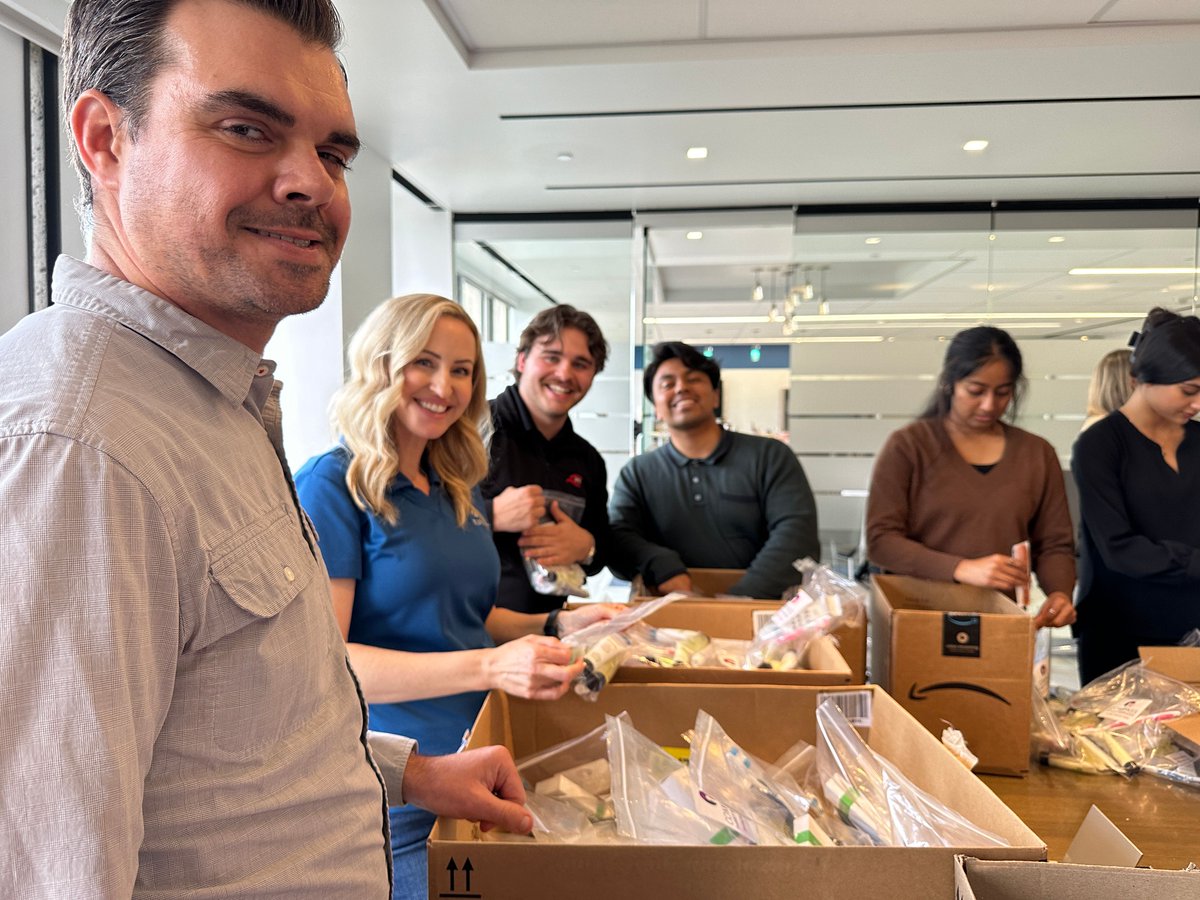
(1110, 387)
(412, 565)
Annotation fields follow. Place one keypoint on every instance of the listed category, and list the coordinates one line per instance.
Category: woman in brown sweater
(955, 491)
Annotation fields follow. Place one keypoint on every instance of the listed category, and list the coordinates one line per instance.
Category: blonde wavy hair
(1111, 384)
(363, 409)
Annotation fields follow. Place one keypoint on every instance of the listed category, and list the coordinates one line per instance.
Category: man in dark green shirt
(709, 498)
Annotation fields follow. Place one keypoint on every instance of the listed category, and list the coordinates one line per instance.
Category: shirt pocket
(266, 668)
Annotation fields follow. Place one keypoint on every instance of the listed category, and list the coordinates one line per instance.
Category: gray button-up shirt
(177, 716)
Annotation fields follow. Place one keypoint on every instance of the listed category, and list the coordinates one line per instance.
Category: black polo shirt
(566, 463)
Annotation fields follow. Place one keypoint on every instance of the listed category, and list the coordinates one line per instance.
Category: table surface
(1162, 819)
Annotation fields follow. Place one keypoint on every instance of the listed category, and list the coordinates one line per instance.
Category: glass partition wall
(830, 326)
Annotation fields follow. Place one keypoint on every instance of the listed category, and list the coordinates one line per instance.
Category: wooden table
(1161, 818)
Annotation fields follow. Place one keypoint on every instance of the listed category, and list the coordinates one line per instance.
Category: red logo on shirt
(575, 480)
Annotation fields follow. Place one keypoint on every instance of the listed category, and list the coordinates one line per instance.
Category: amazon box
(766, 720)
(821, 663)
(851, 638)
(988, 879)
(959, 654)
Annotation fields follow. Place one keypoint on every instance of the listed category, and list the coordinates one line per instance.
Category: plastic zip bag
(723, 772)
(873, 795)
(653, 796)
(605, 645)
(559, 581)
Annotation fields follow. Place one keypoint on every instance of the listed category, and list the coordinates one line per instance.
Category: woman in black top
(1138, 472)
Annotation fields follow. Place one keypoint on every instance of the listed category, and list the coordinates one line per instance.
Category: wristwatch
(550, 627)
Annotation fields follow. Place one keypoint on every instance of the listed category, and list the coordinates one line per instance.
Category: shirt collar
(712, 459)
(229, 365)
(514, 393)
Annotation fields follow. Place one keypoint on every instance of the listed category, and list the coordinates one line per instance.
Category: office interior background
(802, 187)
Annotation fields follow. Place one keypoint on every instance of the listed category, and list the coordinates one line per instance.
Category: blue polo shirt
(424, 585)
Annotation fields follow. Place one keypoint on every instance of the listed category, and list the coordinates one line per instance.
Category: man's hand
(1056, 612)
(535, 667)
(480, 785)
(517, 509)
(557, 543)
(1000, 572)
(680, 582)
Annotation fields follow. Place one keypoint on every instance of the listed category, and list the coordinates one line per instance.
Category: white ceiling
(473, 100)
(804, 104)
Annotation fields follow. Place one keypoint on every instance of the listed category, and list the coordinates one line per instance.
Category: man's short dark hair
(686, 354)
(117, 47)
(549, 323)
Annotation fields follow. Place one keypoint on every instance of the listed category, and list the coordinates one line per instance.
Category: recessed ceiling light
(565, 156)
(1056, 239)
(697, 152)
(695, 235)
(976, 146)
(872, 240)
(1084, 337)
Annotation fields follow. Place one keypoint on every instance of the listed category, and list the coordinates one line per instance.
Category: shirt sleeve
(1051, 539)
(595, 515)
(1096, 464)
(889, 544)
(391, 753)
(323, 494)
(791, 514)
(632, 553)
(91, 625)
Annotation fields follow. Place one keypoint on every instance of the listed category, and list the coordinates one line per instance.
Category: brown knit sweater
(929, 508)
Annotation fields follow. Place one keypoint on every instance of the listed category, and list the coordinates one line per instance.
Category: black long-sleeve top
(1140, 548)
(566, 464)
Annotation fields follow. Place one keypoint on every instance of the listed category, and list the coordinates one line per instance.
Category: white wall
(754, 400)
(310, 349)
(14, 247)
(422, 246)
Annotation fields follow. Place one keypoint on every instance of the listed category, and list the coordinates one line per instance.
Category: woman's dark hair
(1167, 349)
(968, 351)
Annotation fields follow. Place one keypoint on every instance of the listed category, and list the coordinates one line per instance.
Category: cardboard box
(851, 638)
(980, 879)
(766, 720)
(959, 654)
(1180, 663)
(822, 664)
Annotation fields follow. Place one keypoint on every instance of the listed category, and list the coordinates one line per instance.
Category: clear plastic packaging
(654, 798)
(873, 795)
(559, 581)
(722, 772)
(606, 644)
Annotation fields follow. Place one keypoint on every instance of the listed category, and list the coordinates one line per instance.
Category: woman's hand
(1057, 611)
(1000, 572)
(572, 620)
(534, 667)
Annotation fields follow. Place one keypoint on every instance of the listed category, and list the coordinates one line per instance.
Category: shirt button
(288, 573)
(695, 479)
(696, 497)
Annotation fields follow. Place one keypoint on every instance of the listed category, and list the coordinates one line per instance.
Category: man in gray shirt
(709, 498)
(177, 716)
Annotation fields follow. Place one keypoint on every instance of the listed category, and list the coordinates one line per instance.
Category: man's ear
(97, 125)
(521, 364)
